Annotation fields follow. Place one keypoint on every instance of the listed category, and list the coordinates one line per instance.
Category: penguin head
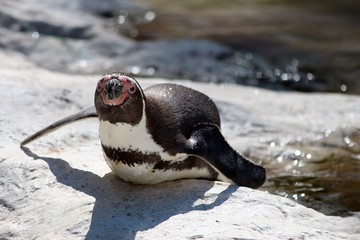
(119, 99)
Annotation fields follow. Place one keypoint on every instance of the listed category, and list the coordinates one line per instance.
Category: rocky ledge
(60, 187)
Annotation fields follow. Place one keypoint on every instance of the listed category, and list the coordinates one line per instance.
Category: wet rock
(60, 187)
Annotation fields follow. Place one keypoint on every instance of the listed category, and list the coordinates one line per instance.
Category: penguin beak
(113, 88)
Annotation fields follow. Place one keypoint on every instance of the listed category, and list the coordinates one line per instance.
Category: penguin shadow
(121, 210)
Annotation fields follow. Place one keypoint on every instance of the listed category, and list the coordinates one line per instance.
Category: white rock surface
(63, 189)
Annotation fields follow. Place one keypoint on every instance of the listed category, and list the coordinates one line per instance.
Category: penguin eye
(132, 90)
(98, 88)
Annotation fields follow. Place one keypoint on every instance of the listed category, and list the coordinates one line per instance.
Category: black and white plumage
(162, 133)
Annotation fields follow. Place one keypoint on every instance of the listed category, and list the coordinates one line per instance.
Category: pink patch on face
(106, 77)
(127, 87)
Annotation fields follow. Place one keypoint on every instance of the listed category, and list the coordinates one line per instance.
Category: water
(322, 38)
(304, 46)
(331, 186)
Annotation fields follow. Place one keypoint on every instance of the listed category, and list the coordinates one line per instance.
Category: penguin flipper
(207, 142)
(85, 113)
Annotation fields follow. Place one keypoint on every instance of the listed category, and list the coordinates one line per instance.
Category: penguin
(162, 133)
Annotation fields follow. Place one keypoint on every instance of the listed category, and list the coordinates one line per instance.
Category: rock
(60, 187)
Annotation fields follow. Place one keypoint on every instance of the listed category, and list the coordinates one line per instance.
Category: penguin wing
(207, 142)
(85, 113)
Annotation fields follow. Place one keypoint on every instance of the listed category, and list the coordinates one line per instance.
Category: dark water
(311, 45)
(331, 186)
(284, 45)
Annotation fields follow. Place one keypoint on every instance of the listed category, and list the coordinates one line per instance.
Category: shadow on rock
(121, 210)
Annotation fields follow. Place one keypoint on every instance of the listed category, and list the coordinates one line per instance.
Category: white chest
(136, 138)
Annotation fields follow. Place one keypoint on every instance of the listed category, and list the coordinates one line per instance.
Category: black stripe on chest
(131, 158)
